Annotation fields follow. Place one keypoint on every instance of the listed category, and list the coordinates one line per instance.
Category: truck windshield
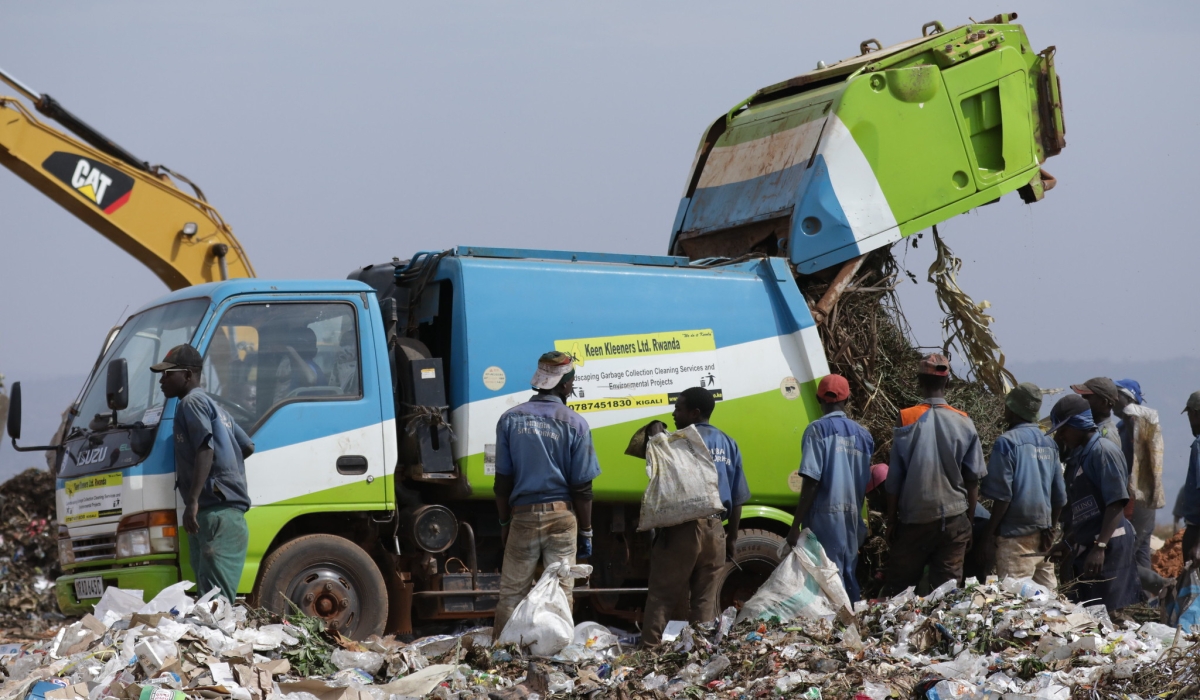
(143, 341)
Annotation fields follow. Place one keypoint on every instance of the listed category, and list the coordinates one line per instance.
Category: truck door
(290, 372)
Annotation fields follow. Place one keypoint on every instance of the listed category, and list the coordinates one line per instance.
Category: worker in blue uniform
(835, 467)
(686, 560)
(545, 464)
(1096, 531)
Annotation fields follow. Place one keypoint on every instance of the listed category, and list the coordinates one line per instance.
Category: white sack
(542, 621)
(683, 480)
(805, 584)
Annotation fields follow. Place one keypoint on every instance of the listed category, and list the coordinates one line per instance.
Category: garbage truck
(372, 487)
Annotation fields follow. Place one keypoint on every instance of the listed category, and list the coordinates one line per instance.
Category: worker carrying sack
(683, 480)
(805, 584)
(542, 623)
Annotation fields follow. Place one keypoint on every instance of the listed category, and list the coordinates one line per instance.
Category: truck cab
(373, 403)
(117, 502)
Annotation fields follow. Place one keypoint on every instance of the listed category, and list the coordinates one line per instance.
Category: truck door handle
(352, 464)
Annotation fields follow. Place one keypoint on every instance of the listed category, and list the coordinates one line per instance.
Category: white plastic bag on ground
(170, 598)
(542, 621)
(117, 603)
(683, 480)
(805, 584)
(594, 635)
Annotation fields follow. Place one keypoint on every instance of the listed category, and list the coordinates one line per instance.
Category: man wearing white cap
(545, 464)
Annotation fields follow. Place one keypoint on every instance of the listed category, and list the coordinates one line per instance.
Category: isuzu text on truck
(372, 488)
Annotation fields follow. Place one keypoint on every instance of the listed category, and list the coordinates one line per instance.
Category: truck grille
(92, 548)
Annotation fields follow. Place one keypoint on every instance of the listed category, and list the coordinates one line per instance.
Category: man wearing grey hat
(1102, 396)
(545, 464)
(1188, 505)
(1025, 481)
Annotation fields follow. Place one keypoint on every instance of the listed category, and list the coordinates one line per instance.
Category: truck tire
(328, 577)
(757, 554)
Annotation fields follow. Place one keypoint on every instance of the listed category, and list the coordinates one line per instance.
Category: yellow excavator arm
(181, 237)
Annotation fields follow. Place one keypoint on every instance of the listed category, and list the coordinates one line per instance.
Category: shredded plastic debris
(1001, 639)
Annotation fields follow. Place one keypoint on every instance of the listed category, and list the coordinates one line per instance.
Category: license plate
(90, 587)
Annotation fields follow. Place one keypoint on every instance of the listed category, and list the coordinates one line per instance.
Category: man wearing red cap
(932, 484)
(835, 466)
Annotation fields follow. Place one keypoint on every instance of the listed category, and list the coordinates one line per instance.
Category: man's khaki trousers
(685, 566)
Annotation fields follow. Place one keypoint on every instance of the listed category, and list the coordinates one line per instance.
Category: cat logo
(106, 188)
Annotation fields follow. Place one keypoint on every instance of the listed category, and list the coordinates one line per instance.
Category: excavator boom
(180, 237)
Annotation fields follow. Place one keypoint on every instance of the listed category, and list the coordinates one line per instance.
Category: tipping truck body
(849, 158)
(391, 456)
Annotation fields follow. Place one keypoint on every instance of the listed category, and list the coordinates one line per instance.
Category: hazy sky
(331, 135)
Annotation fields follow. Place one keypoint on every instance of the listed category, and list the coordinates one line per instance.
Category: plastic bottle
(726, 622)
(1023, 587)
(713, 669)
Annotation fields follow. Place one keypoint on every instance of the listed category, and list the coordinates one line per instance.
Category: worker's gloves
(584, 548)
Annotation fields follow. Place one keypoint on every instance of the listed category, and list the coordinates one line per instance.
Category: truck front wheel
(328, 577)
(756, 554)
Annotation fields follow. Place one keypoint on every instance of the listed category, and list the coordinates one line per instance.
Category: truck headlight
(133, 543)
(66, 548)
(154, 532)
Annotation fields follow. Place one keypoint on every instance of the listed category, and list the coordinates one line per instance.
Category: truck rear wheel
(328, 577)
(757, 554)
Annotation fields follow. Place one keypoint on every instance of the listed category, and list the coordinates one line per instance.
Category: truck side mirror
(116, 390)
(14, 411)
(14, 423)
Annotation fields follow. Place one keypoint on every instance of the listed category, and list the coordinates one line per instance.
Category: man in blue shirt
(545, 464)
(1025, 481)
(210, 473)
(1097, 534)
(835, 467)
(1188, 505)
(686, 560)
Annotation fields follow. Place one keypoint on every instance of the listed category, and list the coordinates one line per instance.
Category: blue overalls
(1118, 584)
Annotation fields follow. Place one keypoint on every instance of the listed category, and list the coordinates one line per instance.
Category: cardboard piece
(150, 620)
(79, 690)
(419, 684)
(275, 667)
(324, 691)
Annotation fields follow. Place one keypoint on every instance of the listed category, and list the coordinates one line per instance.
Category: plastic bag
(542, 621)
(117, 603)
(369, 661)
(1183, 610)
(171, 599)
(805, 584)
(683, 480)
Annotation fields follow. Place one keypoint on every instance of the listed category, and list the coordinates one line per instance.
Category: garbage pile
(1168, 560)
(28, 555)
(868, 340)
(1008, 639)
